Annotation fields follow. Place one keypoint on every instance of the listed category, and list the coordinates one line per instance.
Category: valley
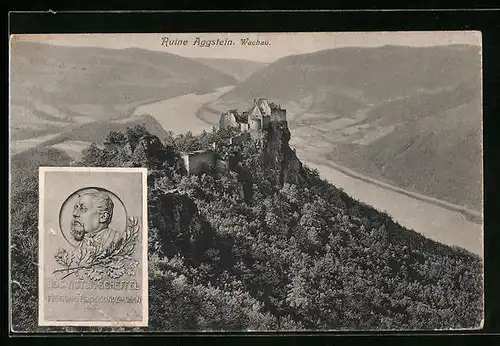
(449, 226)
(410, 117)
(393, 137)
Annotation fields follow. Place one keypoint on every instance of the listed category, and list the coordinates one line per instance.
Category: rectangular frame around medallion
(145, 288)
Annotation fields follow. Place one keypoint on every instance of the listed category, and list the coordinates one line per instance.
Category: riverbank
(470, 215)
(427, 217)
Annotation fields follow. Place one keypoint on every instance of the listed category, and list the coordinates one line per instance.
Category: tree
(135, 133)
(115, 138)
(301, 255)
(93, 156)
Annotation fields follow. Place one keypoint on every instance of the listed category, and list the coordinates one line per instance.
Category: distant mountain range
(240, 69)
(356, 77)
(54, 88)
(410, 116)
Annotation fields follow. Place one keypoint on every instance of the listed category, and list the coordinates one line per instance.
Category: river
(177, 114)
(450, 227)
(433, 221)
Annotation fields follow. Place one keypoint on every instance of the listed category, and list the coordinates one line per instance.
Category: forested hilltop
(263, 243)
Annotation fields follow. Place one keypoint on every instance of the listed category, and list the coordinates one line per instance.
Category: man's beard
(77, 230)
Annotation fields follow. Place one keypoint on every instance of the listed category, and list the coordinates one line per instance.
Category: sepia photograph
(255, 182)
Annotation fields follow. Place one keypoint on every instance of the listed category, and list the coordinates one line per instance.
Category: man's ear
(103, 217)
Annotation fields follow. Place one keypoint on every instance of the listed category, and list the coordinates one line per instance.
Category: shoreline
(470, 215)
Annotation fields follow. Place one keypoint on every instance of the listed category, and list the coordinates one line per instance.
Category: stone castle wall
(194, 162)
(240, 138)
(259, 118)
(227, 119)
(278, 115)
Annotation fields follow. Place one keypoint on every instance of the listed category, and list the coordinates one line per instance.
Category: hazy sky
(280, 44)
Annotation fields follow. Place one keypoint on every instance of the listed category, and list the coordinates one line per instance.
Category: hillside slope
(24, 166)
(361, 107)
(97, 131)
(364, 74)
(430, 155)
(240, 69)
(55, 87)
(264, 244)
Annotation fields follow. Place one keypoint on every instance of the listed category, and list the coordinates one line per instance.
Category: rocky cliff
(278, 154)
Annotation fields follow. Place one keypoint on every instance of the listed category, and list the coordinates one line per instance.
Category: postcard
(286, 181)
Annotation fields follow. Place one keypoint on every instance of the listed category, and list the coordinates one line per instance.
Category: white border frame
(145, 288)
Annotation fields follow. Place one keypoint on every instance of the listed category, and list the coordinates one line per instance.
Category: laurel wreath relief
(95, 260)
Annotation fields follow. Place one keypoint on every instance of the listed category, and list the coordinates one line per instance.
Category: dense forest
(261, 242)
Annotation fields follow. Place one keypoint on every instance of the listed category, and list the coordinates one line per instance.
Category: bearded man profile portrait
(92, 214)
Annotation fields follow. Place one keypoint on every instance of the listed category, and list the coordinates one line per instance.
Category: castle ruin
(249, 123)
(196, 161)
(257, 118)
